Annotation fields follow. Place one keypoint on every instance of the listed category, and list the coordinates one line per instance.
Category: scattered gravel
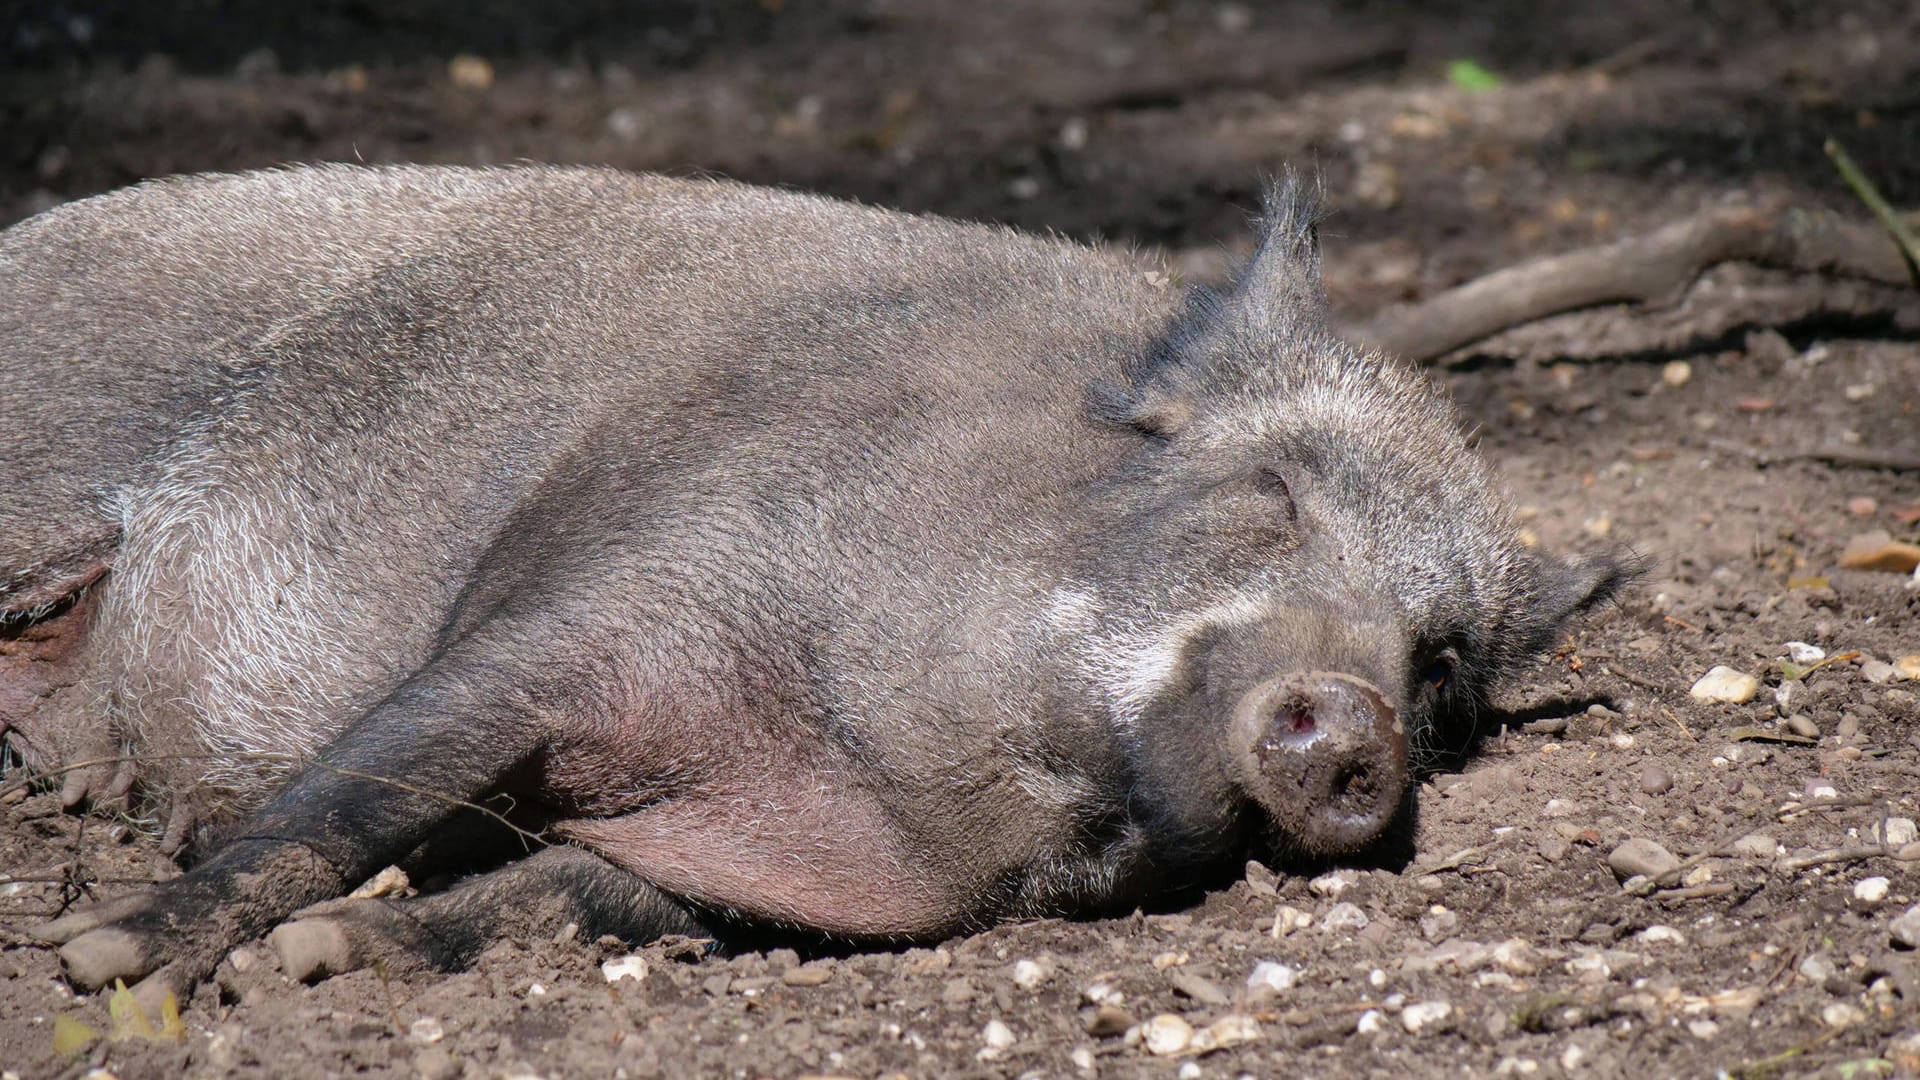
(624, 967)
(1724, 684)
(1289, 919)
(1801, 726)
(1166, 1035)
(1905, 930)
(1189, 985)
(1802, 653)
(1269, 979)
(1423, 1015)
(1899, 832)
(1344, 918)
(1656, 780)
(1030, 974)
(1641, 857)
(996, 1037)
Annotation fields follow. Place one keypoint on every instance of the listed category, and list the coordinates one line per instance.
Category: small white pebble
(426, 1030)
(1676, 373)
(1722, 683)
(1817, 967)
(1703, 1029)
(1871, 890)
(1516, 957)
(1573, 1057)
(1333, 883)
(1590, 967)
(1166, 1035)
(1371, 1022)
(1189, 1070)
(624, 967)
(1659, 935)
(1029, 974)
(1842, 1015)
(1270, 979)
(1082, 1058)
(1802, 653)
(997, 1035)
(1231, 1030)
(1343, 918)
(1900, 832)
(1288, 919)
(536, 990)
(1376, 978)
(1424, 1014)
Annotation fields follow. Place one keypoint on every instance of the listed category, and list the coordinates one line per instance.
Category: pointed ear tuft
(1284, 273)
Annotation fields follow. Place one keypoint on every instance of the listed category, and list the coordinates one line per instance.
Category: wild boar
(783, 563)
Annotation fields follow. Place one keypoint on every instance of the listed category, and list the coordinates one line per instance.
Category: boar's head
(1303, 569)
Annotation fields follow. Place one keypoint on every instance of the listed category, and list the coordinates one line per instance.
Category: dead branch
(1863, 457)
(1697, 892)
(1830, 856)
(1642, 269)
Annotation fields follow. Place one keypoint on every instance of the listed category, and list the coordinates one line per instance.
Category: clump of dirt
(1730, 436)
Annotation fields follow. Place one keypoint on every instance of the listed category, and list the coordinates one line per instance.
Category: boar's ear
(1568, 587)
(1281, 281)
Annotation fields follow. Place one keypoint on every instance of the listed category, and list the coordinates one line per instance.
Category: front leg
(444, 738)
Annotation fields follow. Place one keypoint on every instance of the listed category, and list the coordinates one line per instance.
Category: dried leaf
(1877, 550)
(70, 1036)
(130, 1021)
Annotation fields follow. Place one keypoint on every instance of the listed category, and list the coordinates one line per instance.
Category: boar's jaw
(1324, 755)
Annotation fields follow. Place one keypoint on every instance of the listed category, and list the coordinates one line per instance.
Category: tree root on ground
(1654, 268)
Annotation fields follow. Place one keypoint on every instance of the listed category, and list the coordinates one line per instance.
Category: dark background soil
(1153, 123)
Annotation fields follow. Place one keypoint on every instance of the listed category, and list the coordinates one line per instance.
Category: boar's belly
(822, 857)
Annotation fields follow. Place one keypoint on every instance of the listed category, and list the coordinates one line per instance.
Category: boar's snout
(1325, 755)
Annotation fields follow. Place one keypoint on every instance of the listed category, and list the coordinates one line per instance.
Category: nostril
(1354, 783)
(1297, 721)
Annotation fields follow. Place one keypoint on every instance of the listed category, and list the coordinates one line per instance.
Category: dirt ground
(1702, 432)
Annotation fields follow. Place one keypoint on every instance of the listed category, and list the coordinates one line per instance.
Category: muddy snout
(1325, 755)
